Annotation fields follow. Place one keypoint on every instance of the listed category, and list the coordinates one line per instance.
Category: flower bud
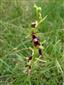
(34, 24)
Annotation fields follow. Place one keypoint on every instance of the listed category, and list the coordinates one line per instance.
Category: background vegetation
(15, 19)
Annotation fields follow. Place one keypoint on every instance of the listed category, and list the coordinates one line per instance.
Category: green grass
(15, 19)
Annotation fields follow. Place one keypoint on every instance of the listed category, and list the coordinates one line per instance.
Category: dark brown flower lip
(40, 51)
(36, 44)
(35, 40)
(30, 58)
(33, 36)
(29, 66)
